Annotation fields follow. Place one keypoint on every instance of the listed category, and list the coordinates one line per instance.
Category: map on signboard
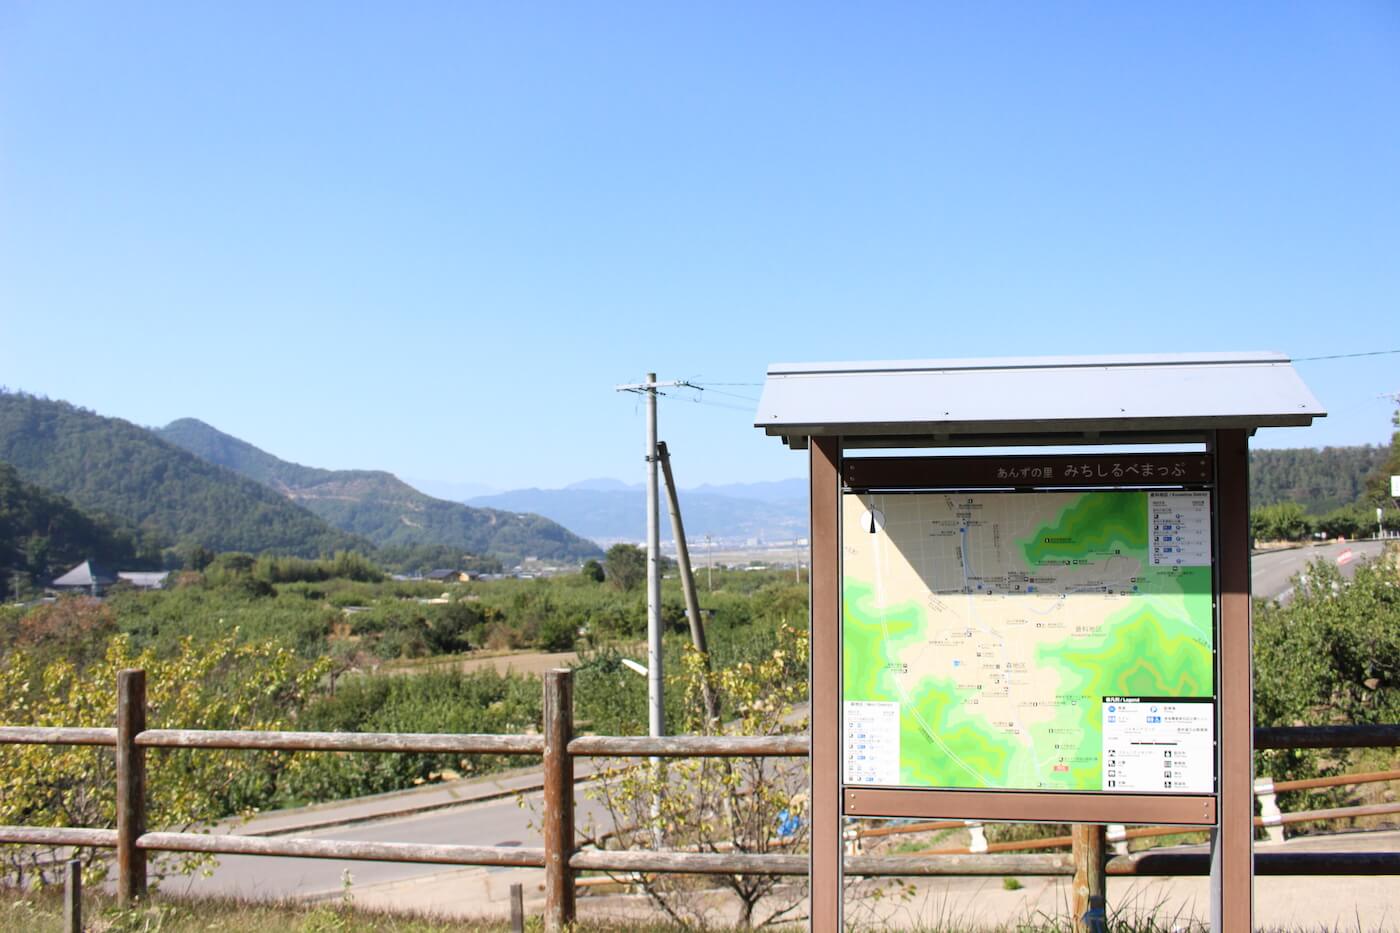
(1035, 641)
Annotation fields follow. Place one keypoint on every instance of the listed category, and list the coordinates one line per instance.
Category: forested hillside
(383, 508)
(42, 535)
(115, 469)
(1318, 480)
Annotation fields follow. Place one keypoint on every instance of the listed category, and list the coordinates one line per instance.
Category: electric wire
(1344, 356)
(706, 388)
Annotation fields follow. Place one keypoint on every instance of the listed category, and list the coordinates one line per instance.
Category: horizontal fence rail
(56, 735)
(507, 856)
(691, 746)
(1377, 735)
(560, 857)
(465, 744)
(1335, 780)
(770, 746)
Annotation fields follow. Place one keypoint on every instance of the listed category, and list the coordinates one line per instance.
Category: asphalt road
(504, 822)
(1272, 572)
(497, 823)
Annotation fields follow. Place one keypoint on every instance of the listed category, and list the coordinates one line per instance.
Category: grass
(42, 911)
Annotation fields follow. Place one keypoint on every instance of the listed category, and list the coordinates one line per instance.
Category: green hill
(383, 508)
(42, 535)
(116, 470)
(1320, 480)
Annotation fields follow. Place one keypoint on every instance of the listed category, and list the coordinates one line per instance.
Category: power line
(1344, 356)
(708, 388)
(707, 402)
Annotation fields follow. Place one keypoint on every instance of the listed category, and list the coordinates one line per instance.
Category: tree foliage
(341, 613)
(113, 468)
(42, 534)
(1331, 655)
(446, 702)
(1283, 521)
(745, 805)
(223, 684)
(625, 566)
(1319, 480)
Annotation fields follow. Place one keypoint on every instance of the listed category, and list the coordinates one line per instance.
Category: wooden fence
(559, 856)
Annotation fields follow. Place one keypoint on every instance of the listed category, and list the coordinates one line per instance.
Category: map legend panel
(871, 746)
(1159, 745)
(1180, 528)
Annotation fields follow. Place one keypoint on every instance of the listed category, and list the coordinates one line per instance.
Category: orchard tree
(745, 805)
(625, 566)
(211, 685)
(1282, 521)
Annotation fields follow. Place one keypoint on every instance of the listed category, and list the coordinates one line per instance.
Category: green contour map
(998, 622)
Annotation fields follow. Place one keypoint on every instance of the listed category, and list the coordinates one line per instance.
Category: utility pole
(692, 601)
(710, 562)
(655, 685)
(655, 692)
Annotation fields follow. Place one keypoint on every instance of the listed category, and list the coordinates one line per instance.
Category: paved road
(494, 822)
(1272, 572)
(503, 821)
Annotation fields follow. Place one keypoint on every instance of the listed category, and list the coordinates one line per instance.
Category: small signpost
(1060, 637)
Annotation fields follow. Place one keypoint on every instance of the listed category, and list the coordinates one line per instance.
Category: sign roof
(1033, 400)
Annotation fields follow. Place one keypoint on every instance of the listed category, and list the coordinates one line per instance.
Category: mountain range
(381, 507)
(609, 510)
(189, 485)
(124, 473)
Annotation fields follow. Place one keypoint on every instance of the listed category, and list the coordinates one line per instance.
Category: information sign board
(1038, 640)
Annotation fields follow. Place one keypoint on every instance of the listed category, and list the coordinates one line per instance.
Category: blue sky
(432, 238)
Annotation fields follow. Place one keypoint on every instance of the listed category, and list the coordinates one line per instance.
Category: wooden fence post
(131, 786)
(558, 800)
(1090, 903)
(517, 908)
(73, 897)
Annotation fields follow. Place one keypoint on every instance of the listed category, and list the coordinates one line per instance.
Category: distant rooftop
(1033, 400)
(85, 574)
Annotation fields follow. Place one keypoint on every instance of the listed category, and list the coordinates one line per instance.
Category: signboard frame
(1039, 473)
(1217, 400)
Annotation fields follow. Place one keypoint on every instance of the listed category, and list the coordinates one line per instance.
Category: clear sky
(432, 238)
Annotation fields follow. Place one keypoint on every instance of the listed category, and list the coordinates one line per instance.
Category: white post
(1268, 808)
(655, 704)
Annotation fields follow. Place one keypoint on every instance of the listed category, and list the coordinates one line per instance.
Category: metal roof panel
(1049, 395)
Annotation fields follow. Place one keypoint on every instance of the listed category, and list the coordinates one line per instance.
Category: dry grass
(42, 912)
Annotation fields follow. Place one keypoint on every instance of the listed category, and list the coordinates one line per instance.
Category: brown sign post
(1202, 408)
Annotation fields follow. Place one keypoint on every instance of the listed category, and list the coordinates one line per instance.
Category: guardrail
(559, 856)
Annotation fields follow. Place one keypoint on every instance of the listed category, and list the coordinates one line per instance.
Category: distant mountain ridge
(618, 512)
(114, 469)
(381, 507)
(608, 509)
